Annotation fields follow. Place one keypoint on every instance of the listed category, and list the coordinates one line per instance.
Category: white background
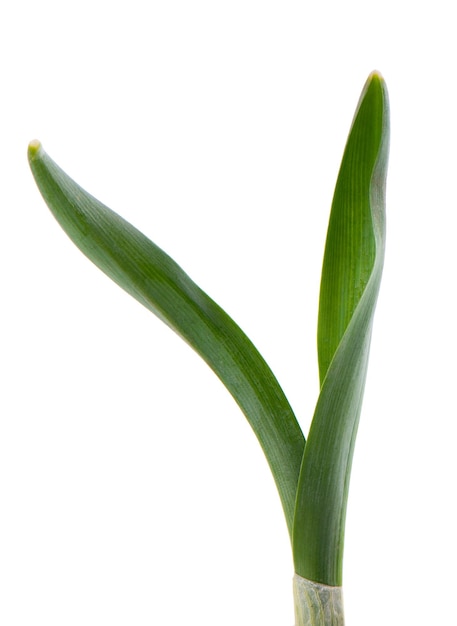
(132, 490)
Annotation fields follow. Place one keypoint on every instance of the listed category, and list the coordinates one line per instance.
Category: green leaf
(350, 282)
(155, 280)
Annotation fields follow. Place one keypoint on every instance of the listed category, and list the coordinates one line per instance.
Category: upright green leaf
(351, 277)
(155, 280)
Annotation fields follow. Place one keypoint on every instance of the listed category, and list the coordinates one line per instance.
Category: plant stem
(317, 604)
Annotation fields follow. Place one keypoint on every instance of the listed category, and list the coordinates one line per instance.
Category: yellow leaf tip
(34, 148)
(377, 76)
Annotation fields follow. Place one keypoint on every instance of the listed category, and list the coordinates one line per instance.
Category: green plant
(312, 479)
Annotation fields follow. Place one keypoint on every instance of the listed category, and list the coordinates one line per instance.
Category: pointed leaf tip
(34, 148)
(376, 74)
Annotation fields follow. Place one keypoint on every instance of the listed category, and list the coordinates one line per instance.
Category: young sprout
(312, 479)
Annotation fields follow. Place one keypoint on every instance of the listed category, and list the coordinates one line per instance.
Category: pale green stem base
(316, 604)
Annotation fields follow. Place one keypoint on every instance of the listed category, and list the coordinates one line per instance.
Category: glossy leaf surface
(155, 280)
(350, 282)
(312, 481)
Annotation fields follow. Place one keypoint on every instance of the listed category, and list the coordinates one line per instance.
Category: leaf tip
(377, 78)
(376, 74)
(34, 148)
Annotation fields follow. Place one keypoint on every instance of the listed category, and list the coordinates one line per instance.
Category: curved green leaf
(350, 282)
(155, 280)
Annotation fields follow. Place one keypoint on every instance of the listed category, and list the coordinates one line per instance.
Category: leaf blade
(350, 283)
(156, 281)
